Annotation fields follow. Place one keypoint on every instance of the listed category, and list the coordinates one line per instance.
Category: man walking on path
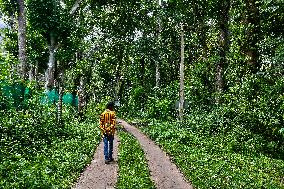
(107, 126)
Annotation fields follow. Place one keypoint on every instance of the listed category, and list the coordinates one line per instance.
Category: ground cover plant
(213, 161)
(38, 153)
(133, 169)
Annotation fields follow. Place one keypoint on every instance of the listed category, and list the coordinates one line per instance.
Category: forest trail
(163, 172)
(99, 175)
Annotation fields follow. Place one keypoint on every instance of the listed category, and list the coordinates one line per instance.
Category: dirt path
(98, 175)
(164, 173)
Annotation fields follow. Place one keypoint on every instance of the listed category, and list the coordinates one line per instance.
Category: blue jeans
(108, 146)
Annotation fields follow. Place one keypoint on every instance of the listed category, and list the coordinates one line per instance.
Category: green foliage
(56, 18)
(6, 65)
(37, 50)
(8, 6)
(133, 170)
(38, 153)
(257, 102)
(212, 162)
(159, 103)
(10, 42)
(93, 110)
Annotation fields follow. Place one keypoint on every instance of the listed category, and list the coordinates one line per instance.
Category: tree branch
(75, 7)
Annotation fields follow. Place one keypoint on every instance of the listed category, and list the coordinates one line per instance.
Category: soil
(99, 175)
(163, 172)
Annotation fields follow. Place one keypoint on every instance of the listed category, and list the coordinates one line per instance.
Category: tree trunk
(36, 75)
(142, 82)
(50, 72)
(32, 73)
(181, 90)
(60, 81)
(158, 75)
(223, 45)
(252, 34)
(118, 82)
(157, 64)
(59, 105)
(81, 95)
(12, 24)
(22, 39)
(200, 16)
(75, 7)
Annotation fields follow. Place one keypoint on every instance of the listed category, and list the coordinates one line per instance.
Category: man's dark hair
(110, 105)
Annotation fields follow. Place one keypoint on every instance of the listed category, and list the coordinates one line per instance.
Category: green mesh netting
(16, 95)
(53, 96)
(13, 95)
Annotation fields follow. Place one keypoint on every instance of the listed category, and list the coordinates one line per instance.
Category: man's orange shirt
(107, 122)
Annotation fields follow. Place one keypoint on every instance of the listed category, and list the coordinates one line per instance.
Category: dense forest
(202, 78)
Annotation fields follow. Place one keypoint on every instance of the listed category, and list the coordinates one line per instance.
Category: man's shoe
(107, 161)
(111, 159)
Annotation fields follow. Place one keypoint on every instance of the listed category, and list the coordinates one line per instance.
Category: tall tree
(200, 16)
(56, 28)
(22, 39)
(223, 24)
(181, 90)
(252, 21)
(159, 30)
(60, 83)
(16, 10)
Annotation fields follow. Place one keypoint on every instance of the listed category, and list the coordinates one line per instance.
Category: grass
(212, 162)
(133, 169)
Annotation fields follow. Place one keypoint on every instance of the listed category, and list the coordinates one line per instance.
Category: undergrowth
(133, 169)
(218, 160)
(37, 153)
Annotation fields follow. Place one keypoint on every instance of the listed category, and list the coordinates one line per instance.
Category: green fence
(16, 95)
(53, 96)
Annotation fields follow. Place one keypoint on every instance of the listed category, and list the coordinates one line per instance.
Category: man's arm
(113, 122)
(102, 123)
(114, 119)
